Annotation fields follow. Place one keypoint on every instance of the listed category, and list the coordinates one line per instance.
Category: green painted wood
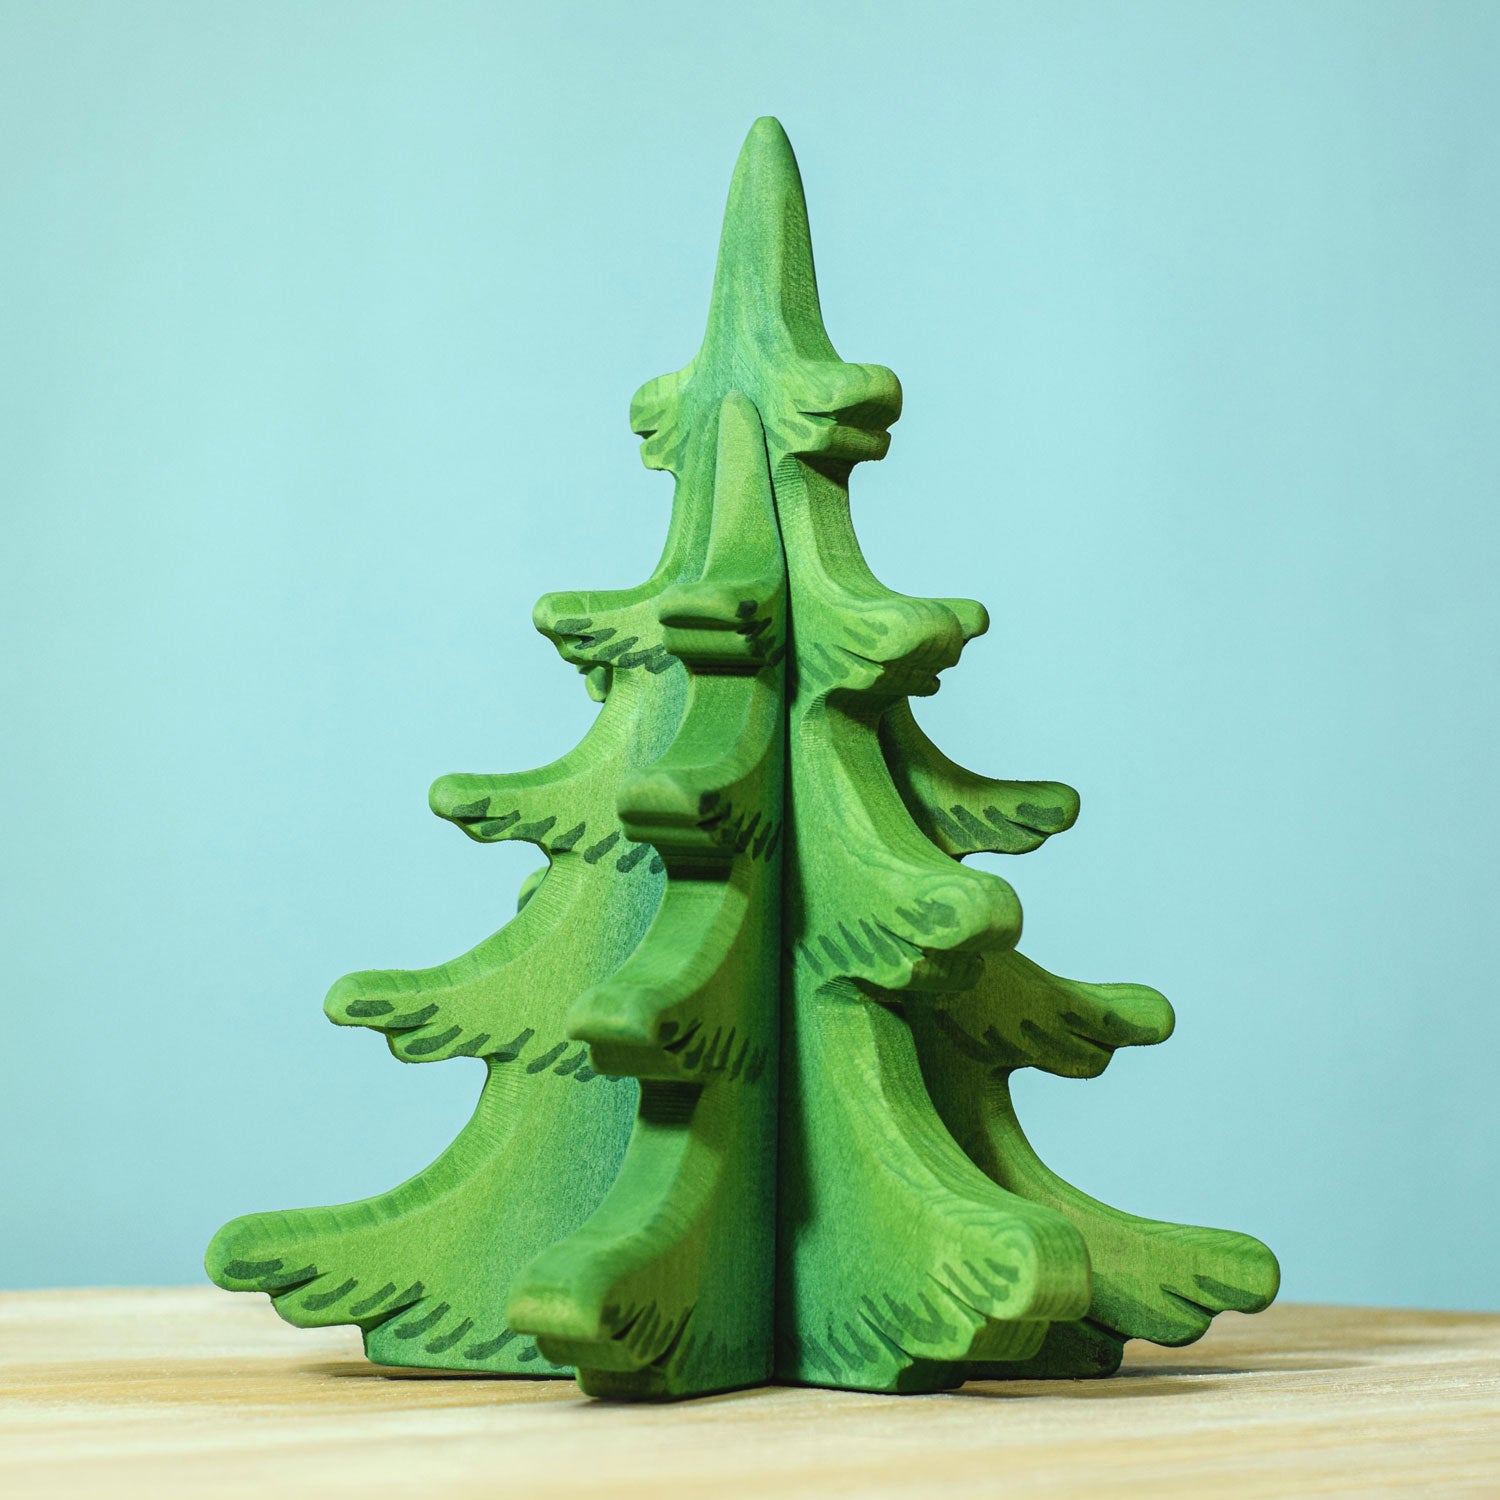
(667, 1289)
(749, 1037)
(426, 1269)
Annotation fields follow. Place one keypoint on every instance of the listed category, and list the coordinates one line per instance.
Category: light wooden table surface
(196, 1393)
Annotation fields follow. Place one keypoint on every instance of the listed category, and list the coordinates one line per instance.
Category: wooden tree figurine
(749, 1036)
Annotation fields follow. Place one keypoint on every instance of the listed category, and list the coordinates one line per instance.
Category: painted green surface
(750, 1035)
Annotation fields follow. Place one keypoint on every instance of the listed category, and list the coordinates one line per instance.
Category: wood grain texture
(639, 977)
(191, 1395)
(749, 1037)
(667, 1289)
(920, 1240)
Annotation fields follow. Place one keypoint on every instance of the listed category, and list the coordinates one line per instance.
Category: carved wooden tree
(737, 1126)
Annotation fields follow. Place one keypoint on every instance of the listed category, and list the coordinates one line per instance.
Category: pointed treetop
(765, 334)
(765, 285)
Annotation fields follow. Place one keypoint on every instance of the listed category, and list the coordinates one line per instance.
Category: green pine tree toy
(750, 1034)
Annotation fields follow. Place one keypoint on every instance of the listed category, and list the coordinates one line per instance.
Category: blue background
(318, 326)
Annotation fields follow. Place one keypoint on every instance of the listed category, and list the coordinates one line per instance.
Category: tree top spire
(765, 287)
(765, 335)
